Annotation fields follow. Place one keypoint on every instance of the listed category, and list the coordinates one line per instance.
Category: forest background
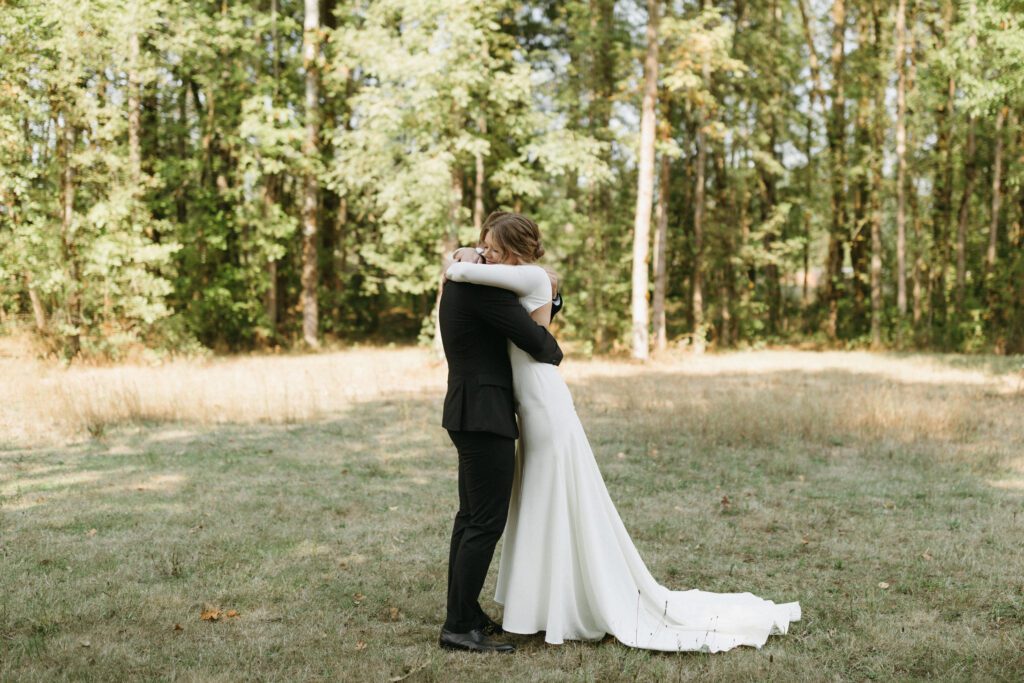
(179, 176)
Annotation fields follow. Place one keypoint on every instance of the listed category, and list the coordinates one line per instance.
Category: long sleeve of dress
(530, 283)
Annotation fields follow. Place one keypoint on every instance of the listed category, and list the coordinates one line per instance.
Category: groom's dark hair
(515, 234)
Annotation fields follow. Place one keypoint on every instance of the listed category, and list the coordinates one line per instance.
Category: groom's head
(510, 238)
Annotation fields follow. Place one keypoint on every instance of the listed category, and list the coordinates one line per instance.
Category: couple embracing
(568, 566)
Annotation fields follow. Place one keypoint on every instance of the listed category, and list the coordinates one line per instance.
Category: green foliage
(177, 130)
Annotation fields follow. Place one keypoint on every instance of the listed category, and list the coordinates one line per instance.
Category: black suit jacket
(475, 323)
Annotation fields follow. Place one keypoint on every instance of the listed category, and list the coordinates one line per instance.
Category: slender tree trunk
(645, 188)
(901, 158)
(997, 194)
(878, 113)
(271, 305)
(817, 92)
(920, 271)
(38, 310)
(73, 295)
(860, 181)
(478, 182)
(698, 237)
(727, 200)
(661, 248)
(134, 106)
(970, 174)
(271, 183)
(181, 149)
(836, 135)
(310, 187)
(942, 212)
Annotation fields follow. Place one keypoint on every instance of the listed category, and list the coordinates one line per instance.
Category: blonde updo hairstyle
(514, 234)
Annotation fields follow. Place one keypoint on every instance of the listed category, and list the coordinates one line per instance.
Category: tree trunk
(645, 188)
(478, 182)
(997, 194)
(878, 125)
(697, 298)
(942, 212)
(271, 183)
(38, 310)
(860, 182)
(661, 248)
(73, 295)
(134, 106)
(817, 92)
(808, 194)
(310, 188)
(901, 158)
(270, 299)
(836, 143)
(920, 272)
(970, 174)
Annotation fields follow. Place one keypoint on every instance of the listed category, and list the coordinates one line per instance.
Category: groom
(479, 414)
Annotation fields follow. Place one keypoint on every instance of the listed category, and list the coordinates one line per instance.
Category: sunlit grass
(314, 494)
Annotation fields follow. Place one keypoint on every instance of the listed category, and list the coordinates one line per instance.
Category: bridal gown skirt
(568, 566)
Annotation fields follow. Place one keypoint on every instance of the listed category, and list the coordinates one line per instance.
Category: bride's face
(495, 254)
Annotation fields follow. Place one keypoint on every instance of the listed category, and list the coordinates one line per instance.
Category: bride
(569, 567)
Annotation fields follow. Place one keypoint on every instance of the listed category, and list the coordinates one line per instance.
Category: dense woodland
(178, 174)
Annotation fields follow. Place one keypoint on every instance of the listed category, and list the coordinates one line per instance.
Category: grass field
(306, 502)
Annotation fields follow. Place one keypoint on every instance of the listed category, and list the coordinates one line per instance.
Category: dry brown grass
(769, 394)
(45, 403)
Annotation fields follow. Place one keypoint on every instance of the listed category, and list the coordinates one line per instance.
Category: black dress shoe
(491, 628)
(474, 641)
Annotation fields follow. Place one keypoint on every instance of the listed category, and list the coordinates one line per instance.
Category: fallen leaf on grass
(84, 643)
(90, 533)
(419, 668)
(177, 627)
(360, 645)
(394, 613)
(805, 540)
(231, 613)
(726, 502)
(210, 614)
(883, 585)
(358, 597)
(926, 556)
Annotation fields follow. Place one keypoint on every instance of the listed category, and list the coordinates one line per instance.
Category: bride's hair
(514, 234)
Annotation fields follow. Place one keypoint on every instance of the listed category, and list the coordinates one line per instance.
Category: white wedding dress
(568, 566)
